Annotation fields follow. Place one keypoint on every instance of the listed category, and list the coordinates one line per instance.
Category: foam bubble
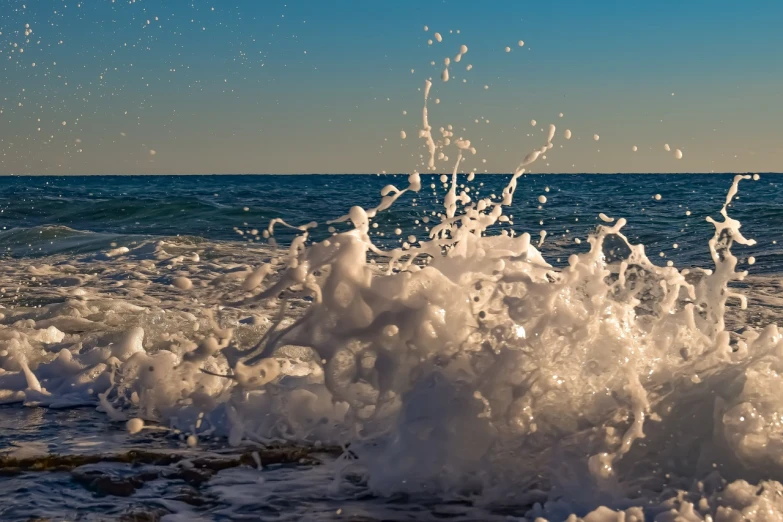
(182, 282)
(134, 426)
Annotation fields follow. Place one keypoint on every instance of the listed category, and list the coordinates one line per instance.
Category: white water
(464, 365)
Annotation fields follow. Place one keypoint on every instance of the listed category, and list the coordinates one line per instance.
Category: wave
(51, 240)
(463, 365)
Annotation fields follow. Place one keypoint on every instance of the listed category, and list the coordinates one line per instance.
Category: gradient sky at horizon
(295, 86)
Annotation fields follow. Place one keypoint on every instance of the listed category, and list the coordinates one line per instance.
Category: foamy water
(475, 370)
(463, 366)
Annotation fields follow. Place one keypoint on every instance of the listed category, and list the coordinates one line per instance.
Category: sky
(310, 86)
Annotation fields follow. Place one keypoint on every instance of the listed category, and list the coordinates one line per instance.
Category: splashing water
(462, 365)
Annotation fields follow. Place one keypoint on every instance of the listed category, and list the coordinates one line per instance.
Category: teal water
(79, 214)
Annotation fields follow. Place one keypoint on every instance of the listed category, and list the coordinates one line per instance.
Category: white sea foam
(464, 363)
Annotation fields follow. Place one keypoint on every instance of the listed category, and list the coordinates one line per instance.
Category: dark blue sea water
(48, 215)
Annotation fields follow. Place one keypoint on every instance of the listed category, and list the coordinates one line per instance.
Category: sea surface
(41, 216)
(78, 222)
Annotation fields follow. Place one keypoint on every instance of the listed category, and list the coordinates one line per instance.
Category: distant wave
(46, 240)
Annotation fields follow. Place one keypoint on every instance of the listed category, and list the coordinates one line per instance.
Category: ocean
(152, 316)
(45, 215)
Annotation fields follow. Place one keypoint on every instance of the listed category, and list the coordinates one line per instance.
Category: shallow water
(277, 492)
(298, 491)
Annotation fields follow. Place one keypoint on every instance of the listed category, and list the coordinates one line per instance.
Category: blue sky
(253, 86)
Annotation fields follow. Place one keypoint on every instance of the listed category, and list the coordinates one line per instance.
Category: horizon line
(391, 174)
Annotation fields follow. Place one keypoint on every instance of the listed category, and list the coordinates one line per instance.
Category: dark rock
(104, 484)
